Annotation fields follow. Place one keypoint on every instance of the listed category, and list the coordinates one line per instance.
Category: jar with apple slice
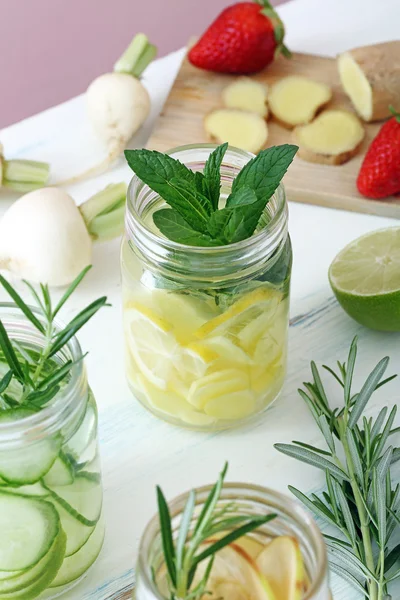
(206, 328)
(283, 559)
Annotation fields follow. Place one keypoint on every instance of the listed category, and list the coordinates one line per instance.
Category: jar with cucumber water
(206, 265)
(51, 526)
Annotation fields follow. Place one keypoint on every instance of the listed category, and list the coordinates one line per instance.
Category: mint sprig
(194, 217)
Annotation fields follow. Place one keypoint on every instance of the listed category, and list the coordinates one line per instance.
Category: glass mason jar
(205, 328)
(292, 520)
(50, 481)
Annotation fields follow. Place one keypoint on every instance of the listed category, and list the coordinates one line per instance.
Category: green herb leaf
(313, 459)
(175, 228)
(174, 182)
(239, 221)
(367, 390)
(21, 304)
(70, 290)
(212, 175)
(166, 535)
(9, 354)
(75, 325)
(265, 171)
(193, 206)
(5, 381)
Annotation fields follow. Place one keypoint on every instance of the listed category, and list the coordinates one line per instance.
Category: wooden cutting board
(196, 92)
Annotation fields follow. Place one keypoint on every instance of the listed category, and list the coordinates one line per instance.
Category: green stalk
(104, 212)
(24, 175)
(136, 57)
(374, 592)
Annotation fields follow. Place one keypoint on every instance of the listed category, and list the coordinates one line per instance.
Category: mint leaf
(265, 171)
(175, 228)
(212, 175)
(238, 221)
(199, 182)
(193, 206)
(157, 169)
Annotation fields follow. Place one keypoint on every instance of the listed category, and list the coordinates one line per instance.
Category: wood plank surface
(196, 92)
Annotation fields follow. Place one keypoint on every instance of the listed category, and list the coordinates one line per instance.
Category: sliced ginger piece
(295, 100)
(245, 130)
(370, 76)
(332, 138)
(246, 94)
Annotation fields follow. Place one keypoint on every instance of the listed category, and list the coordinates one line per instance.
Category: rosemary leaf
(166, 535)
(21, 304)
(70, 290)
(367, 390)
(9, 353)
(312, 459)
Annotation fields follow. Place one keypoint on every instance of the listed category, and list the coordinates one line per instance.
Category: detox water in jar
(51, 526)
(246, 570)
(205, 328)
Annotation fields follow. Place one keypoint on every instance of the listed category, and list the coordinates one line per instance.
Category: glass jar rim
(176, 507)
(64, 404)
(134, 218)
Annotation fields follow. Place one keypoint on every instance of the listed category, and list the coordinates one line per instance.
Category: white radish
(45, 237)
(22, 175)
(118, 103)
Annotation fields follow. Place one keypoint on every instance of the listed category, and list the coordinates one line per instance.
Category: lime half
(365, 278)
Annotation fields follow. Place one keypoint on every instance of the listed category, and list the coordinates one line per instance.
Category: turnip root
(245, 130)
(332, 138)
(248, 94)
(45, 237)
(118, 103)
(370, 76)
(22, 175)
(295, 100)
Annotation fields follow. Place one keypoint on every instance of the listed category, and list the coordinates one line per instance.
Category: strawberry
(244, 38)
(379, 175)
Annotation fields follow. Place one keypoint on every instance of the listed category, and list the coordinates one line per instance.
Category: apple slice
(281, 563)
(235, 576)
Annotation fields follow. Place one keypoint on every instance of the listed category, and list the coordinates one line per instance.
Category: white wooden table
(138, 451)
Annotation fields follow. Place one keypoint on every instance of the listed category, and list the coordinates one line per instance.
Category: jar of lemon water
(206, 328)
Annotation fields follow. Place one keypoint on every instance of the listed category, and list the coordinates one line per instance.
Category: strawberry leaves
(194, 218)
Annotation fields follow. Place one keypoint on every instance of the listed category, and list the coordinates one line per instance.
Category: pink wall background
(50, 50)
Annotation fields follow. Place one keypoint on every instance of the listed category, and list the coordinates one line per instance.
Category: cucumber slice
(35, 489)
(43, 582)
(76, 565)
(28, 529)
(61, 473)
(77, 533)
(82, 499)
(24, 579)
(17, 466)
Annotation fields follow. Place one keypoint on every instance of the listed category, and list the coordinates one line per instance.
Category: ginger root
(295, 100)
(239, 128)
(370, 76)
(332, 138)
(246, 94)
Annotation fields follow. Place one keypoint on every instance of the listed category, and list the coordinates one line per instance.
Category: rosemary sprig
(361, 503)
(185, 550)
(36, 372)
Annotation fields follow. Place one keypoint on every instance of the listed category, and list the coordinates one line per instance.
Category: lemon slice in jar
(152, 343)
(242, 312)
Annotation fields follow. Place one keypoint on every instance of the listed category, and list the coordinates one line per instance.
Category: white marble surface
(139, 451)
